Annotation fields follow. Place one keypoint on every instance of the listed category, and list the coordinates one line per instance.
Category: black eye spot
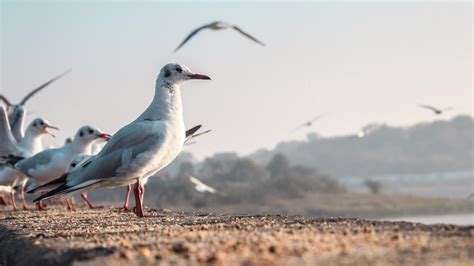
(167, 73)
(81, 134)
(91, 131)
(41, 123)
(73, 164)
(34, 124)
(179, 69)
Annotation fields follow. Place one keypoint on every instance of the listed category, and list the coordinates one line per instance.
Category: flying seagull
(218, 25)
(309, 123)
(199, 186)
(437, 111)
(17, 112)
(141, 148)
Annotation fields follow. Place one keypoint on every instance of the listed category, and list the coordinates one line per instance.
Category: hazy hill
(422, 148)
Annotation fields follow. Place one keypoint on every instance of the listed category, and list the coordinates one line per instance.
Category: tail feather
(11, 159)
(50, 185)
(65, 189)
(193, 130)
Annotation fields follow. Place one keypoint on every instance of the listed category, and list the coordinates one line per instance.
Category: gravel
(106, 236)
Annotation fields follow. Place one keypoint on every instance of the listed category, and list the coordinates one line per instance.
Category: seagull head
(177, 74)
(76, 161)
(40, 126)
(88, 134)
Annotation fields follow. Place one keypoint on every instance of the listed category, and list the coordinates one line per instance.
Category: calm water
(458, 184)
(458, 219)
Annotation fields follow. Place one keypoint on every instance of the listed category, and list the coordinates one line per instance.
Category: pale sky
(360, 62)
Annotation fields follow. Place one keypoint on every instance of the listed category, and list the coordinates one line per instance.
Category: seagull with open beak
(52, 163)
(28, 146)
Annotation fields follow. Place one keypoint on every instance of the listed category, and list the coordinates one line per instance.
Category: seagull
(218, 25)
(190, 134)
(28, 146)
(51, 163)
(17, 112)
(141, 148)
(200, 186)
(437, 111)
(309, 123)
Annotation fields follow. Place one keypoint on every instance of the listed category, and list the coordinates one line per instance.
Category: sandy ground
(105, 236)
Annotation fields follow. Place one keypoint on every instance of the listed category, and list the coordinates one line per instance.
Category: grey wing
(427, 107)
(194, 32)
(318, 117)
(42, 158)
(5, 100)
(17, 121)
(125, 145)
(8, 144)
(33, 92)
(247, 35)
(128, 136)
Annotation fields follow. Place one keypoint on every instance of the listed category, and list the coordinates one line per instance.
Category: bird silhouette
(217, 25)
(437, 111)
(309, 123)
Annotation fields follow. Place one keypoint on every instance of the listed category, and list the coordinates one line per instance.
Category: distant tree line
(237, 180)
(241, 180)
(438, 146)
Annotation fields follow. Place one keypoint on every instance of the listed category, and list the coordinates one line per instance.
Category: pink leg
(22, 192)
(138, 203)
(127, 197)
(142, 193)
(40, 206)
(70, 205)
(12, 195)
(63, 201)
(3, 201)
(86, 199)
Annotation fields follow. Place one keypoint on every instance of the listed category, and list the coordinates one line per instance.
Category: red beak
(199, 76)
(104, 136)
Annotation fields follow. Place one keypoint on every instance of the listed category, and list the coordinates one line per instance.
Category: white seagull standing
(141, 148)
(28, 146)
(190, 134)
(52, 163)
(218, 25)
(17, 112)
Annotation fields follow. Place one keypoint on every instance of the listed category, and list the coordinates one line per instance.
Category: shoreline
(460, 219)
